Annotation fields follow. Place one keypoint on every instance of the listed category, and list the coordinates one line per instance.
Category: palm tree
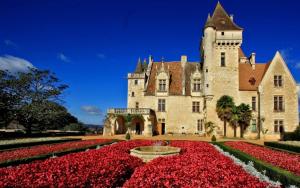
(224, 109)
(245, 116)
(235, 117)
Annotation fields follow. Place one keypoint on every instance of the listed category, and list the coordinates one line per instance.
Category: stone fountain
(147, 153)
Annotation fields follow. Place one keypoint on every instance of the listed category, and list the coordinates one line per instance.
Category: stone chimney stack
(231, 17)
(183, 60)
(252, 60)
(183, 63)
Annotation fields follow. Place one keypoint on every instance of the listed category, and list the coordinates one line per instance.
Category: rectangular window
(253, 126)
(196, 106)
(136, 105)
(162, 85)
(136, 82)
(161, 105)
(254, 103)
(197, 85)
(200, 125)
(223, 59)
(278, 124)
(278, 82)
(132, 94)
(278, 104)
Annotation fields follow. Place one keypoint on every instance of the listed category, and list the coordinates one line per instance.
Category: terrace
(123, 111)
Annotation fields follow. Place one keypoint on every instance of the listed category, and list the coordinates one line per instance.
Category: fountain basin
(147, 153)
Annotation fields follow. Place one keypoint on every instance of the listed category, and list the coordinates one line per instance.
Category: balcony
(129, 111)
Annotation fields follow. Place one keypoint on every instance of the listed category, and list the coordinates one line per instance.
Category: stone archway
(119, 125)
(137, 125)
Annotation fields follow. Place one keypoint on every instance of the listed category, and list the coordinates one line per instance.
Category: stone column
(147, 125)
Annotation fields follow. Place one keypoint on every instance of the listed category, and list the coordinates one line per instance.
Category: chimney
(252, 60)
(231, 17)
(183, 60)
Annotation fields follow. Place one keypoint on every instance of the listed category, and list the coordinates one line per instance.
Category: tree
(245, 116)
(40, 91)
(9, 100)
(224, 109)
(235, 117)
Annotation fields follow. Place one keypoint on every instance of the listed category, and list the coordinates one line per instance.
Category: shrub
(292, 135)
(213, 138)
(283, 146)
(127, 137)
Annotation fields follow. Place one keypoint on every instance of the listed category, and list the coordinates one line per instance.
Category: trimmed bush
(292, 135)
(213, 138)
(283, 146)
(127, 137)
(274, 173)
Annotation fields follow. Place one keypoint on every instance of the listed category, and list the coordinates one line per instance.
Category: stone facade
(182, 95)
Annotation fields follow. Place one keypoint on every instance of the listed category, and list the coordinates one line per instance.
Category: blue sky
(92, 44)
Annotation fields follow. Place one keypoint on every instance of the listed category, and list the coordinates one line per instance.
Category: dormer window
(197, 85)
(162, 85)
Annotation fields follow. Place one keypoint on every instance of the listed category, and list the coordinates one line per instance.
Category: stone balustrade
(128, 111)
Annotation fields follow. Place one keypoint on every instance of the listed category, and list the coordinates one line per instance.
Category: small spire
(139, 67)
(145, 65)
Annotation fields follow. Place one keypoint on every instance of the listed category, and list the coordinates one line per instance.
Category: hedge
(45, 156)
(283, 146)
(28, 144)
(274, 173)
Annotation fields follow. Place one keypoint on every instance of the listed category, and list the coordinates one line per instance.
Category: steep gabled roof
(241, 53)
(175, 71)
(176, 77)
(250, 79)
(220, 20)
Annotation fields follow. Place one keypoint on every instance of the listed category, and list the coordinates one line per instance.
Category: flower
(281, 159)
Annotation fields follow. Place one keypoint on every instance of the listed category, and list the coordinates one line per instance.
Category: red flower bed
(284, 160)
(46, 149)
(199, 165)
(109, 166)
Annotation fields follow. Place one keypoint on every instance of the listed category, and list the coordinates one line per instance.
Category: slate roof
(220, 20)
(176, 77)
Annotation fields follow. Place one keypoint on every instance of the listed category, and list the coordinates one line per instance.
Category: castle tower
(136, 85)
(220, 45)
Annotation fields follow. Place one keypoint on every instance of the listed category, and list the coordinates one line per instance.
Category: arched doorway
(120, 127)
(137, 126)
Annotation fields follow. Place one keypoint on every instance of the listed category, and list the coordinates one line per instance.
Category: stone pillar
(148, 126)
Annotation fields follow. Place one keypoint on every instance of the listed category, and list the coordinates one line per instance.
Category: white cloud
(101, 56)
(10, 43)
(14, 64)
(63, 57)
(91, 110)
(288, 57)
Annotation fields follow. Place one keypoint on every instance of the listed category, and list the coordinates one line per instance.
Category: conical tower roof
(220, 20)
(139, 67)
